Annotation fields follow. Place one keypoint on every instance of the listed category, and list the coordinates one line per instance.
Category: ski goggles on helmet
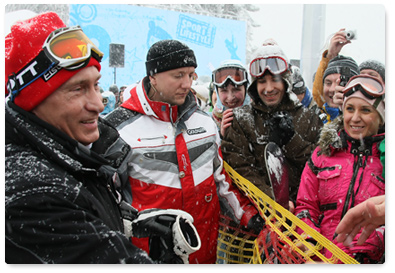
(371, 87)
(275, 64)
(236, 75)
(68, 48)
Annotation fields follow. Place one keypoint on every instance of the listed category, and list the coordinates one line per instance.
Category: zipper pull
(360, 159)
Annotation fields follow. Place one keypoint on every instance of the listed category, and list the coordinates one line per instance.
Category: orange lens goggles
(70, 47)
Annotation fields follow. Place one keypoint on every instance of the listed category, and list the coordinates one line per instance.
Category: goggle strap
(360, 88)
(99, 57)
(377, 102)
(28, 74)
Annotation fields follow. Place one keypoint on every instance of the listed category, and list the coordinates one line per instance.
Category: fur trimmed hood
(270, 48)
(330, 136)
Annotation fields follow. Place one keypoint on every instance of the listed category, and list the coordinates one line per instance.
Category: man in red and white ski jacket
(177, 164)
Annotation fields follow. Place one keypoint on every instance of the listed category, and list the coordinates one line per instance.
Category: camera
(345, 75)
(351, 35)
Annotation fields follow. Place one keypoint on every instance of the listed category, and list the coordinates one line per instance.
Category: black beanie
(167, 55)
(339, 61)
(374, 65)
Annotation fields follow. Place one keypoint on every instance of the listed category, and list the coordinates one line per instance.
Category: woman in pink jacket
(345, 168)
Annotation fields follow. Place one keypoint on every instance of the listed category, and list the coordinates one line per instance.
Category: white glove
(168, 229)
(185, 238)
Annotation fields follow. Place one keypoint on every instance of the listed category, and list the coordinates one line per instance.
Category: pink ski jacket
(341, 173)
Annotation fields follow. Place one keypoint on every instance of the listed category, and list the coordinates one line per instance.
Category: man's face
(270, 89)
(173, 85)
(75, 106)
(329, 88)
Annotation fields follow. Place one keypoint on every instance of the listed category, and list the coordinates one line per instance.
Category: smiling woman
(363, 106)
(330, 185)
(361, 119)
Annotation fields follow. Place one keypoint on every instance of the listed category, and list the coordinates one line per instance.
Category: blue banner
(212, 39)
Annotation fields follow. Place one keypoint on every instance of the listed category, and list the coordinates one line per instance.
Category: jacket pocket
(330, 181)
(375, 187)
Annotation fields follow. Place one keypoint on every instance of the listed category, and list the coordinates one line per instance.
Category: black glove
(281, 128)
(256, 223)
(172, 236)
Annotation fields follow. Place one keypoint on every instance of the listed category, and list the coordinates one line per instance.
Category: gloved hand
(281, 128)
(256, 223)
(172, 236)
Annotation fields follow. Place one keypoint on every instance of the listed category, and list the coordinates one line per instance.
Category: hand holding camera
(340, 39)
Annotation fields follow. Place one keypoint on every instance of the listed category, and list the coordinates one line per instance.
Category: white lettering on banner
(195, 31)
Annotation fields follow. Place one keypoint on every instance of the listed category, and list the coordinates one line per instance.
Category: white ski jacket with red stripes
(177, 164)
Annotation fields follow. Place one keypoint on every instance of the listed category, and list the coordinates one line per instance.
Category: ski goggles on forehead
(370, 86)
(234, 74)
(276, 65)
(68, 48)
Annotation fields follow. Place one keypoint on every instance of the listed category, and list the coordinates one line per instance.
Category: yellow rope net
(278, 242)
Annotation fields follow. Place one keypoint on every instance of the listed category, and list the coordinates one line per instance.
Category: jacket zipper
(357, 166)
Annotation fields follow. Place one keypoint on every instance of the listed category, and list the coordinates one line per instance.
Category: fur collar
(330, 136)
(334, 137)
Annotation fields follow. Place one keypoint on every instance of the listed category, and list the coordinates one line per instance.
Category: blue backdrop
(212, 39)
